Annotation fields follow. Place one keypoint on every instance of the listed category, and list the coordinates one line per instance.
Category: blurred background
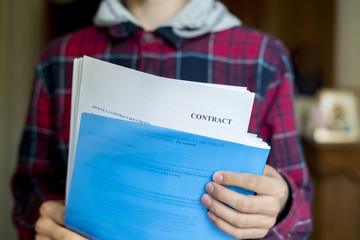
(323, 37)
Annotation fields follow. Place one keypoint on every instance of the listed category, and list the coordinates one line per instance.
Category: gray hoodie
(197, 18)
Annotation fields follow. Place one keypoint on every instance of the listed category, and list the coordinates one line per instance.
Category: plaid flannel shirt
(238, 56)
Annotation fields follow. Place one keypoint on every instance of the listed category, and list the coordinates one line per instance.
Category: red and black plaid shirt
(238, 56)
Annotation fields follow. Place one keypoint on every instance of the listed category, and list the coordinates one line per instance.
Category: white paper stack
(211, 110)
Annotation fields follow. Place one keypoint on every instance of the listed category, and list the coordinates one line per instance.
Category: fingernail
(217, 177)
(206, 200)
(209, 187)
(211, 216)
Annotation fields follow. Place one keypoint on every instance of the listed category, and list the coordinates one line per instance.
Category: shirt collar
(126, 29)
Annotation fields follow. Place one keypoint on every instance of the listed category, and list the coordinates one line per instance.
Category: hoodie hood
(197, 18)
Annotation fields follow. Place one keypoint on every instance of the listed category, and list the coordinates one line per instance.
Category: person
(195, 40)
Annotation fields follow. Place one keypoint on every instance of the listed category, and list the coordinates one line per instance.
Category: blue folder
(143, 182)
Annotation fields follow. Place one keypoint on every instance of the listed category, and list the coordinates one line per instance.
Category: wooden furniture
(335, 170)
(303, 25)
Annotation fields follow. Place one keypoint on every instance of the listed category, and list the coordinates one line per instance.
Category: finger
(54, 210)
(235, 218)
(263, 185)
(250, 204)
(239, 233)
(270, 171)
(46, 227)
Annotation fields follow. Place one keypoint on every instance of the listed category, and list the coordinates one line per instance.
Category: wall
(22, 36)
(347, 53)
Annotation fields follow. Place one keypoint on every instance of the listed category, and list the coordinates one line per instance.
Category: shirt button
(148, 37)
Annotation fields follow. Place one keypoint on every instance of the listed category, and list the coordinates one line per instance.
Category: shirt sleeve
(36, 177)
(286, 156)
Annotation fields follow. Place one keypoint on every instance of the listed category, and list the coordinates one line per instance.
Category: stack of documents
(142, 148)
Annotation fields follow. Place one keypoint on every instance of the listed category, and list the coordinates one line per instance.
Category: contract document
(142, 148)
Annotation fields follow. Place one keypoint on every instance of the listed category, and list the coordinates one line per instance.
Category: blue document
(143, 182)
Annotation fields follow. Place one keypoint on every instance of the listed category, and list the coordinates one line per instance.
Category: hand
(50, 225)
(244, 216)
